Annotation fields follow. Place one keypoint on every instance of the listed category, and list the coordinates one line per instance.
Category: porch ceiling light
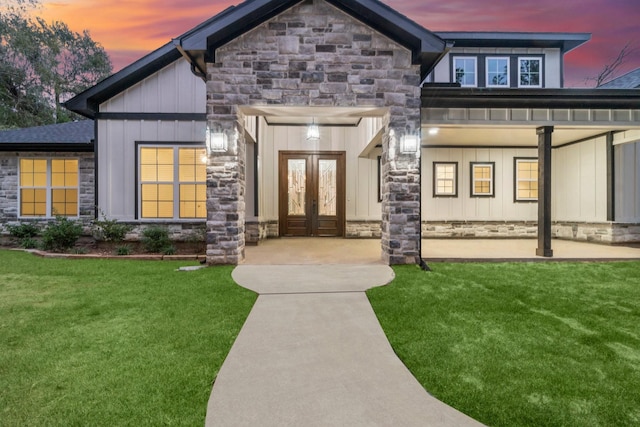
(410, 144)
(313, 132)
(216, 141)
(433, 131)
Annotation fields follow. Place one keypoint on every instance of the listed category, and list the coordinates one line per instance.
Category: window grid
(526, 179)
(529, 72)
(465, 71)
(482, 179)
(445, 179)
(48, 187)
(497, 71)
(172, 178)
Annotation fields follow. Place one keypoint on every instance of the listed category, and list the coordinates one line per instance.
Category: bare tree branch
(608, 71)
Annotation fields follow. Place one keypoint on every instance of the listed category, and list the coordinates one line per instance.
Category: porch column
(544, 191)
(226, 191)
(401, 195)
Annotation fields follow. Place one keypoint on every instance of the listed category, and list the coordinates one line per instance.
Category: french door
(311, 193)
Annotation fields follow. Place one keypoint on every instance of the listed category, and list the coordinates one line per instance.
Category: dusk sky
(130, 29)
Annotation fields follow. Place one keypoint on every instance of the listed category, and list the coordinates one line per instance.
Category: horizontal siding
(173, 89)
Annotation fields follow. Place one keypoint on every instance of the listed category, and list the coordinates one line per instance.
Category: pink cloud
(126, 28)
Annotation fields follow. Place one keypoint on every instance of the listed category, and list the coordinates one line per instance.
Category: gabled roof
(197, 43)
(71, 136)
(564, 41)
(426, 47)
(631, 80)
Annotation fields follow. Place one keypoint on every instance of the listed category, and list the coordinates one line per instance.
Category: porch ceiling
(327, 116)
(504, 136)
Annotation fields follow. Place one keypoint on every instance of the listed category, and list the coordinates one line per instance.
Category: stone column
(401, 194)
(225, 194)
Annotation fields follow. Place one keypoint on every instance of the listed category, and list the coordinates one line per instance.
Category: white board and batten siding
(552, 60)
(174, 89)
(579, 182)
(361, 173)
(627, 182)
(501, 207)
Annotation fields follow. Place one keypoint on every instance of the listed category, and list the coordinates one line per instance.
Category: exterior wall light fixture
(216, 141)
(313, 132)
(410, 144)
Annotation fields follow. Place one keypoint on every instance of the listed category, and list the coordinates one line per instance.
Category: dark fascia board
(87, 102)
(84, 147)
(444, 97)
(427, 47)
(564, 41)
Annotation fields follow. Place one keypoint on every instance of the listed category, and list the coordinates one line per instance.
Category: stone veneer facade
(313, 55)
(9, 183)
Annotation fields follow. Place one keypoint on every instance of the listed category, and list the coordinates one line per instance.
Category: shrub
(23, 231)
(109, 230)
(123, 250)
(156, 239)
(29, 243)
(61, 235)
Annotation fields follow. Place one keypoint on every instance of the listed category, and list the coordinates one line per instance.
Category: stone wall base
(479, 229)
(257, 231)
(601, 232)
(363, 230)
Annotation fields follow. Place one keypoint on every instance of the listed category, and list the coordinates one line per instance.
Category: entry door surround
(311, 193)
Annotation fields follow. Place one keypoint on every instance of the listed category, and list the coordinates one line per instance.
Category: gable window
(497, 72)
(526, 179)
(48, 187)
(465, 71)
(445, 179)
(172, 182)
(529, 72)
(482, 179)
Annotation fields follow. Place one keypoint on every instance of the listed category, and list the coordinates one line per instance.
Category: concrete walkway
(312, 353)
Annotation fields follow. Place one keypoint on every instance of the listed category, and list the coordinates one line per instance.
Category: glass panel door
(327, 187)
(297, 186)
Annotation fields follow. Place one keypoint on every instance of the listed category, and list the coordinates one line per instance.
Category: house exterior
(345, 118)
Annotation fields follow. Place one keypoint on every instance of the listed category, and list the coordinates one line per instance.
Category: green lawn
(110, 342)
(539, 344)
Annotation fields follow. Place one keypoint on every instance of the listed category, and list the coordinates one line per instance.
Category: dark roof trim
(565, 41)
(48, 147)
(87, 102)
(442, 97)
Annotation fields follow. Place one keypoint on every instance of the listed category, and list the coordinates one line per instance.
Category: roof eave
(448, 97)
(81, 147)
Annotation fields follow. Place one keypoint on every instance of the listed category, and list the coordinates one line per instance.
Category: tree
(42, 64)
(608, 71)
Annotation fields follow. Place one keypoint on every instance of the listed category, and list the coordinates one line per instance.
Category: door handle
(314, 207)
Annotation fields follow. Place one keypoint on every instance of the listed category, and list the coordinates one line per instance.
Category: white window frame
(436, 192)
(175, 183)
(530, 58)
(517, 179)
(490, 58)
(48, 189)
(475, 70)
(490, 180)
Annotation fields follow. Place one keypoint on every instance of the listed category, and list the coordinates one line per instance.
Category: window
(465, 71)
(482, 179)
(445, 179)
(526, 179)
(497, 72)
(170, 174)
(529, 72)
(48, 187)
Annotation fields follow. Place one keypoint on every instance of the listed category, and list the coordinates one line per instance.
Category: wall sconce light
(410, 144)
(313, 132)
(216, 141)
